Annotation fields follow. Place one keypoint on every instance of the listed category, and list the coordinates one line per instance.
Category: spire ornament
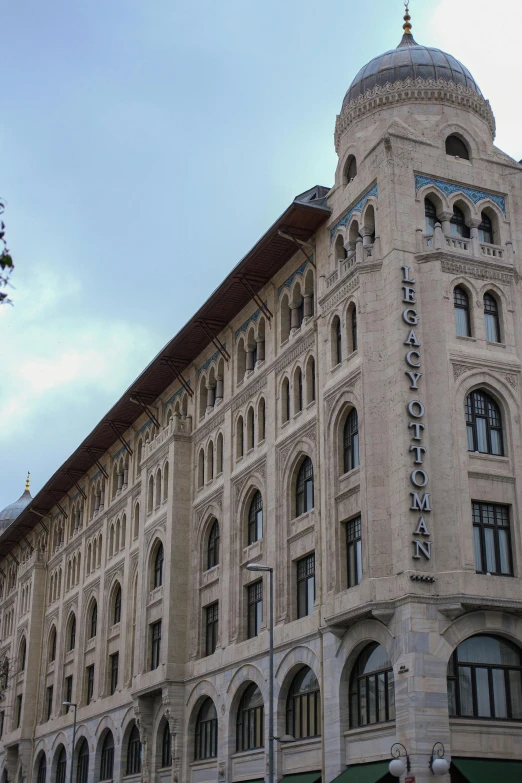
(27, 481)
(407, 18)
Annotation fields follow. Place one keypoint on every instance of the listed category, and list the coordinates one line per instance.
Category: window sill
(201, 763)
(459, 160)
(350, 473)
(496, 345)
(466, 337)
(478, 724)
(243, 753)
(494, 457)
(383, 728)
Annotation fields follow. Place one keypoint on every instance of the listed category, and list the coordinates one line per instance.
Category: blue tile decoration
(174, 397)
(448, 188)
(253, 318)
(144, 427)
(290, 280)
(213, 358)
(75, 497)
(119, 453)
(357, 207)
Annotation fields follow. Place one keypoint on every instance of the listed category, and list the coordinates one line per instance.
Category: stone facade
(238, 434)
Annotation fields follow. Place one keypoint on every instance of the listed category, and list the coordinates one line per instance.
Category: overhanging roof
(301, 220)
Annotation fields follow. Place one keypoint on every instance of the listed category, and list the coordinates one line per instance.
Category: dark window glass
(485, 229)
(485, 679)
(255, 518)
(312, 379)
(250, 720)
(158, 567)
(211, 627)
(372, 694)
(18, 713)
(117, 606)
(304, 491)
(83, 763)
(458, 224)
(286, 400)
(107, 757)
(94, 621)
(351, 441)
(134, 752)
(431, 216)
(353, 551)
(90, 684)
(72, 634)
(2, 720)
(23, 652)
(456, 147)
(166, 747)
(491, 319)
(115, 662)
(255, 608)
(49, 702)
(351, 169)
(484, 424)
(303, 706)
(155, 631)
(338, 341)
(52, 654)
(492, 539)
(213, 545)
(61, 767)
(42, 770)
(354, 328)
(305, 585)
(299, 390)
(461, 308)
(206, 732)
(68, 689)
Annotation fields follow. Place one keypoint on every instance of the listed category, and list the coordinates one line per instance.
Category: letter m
(420, 505)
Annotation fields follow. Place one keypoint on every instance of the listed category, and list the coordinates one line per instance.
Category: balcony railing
(361, 254)
(471, 247)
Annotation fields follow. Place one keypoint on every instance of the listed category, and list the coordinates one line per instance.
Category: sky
(146, 146)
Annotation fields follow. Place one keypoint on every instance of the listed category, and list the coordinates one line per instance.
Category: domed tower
(9, 513)
(420, 265)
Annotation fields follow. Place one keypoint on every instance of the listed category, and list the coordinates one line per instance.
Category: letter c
(410, 361)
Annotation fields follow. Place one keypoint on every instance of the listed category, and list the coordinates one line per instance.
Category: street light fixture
(438, 764)
(271, 738)
(72, 704)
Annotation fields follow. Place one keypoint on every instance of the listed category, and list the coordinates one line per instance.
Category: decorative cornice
(206, 429)
(216, 497)
(253, 318)
(174, 397)
(345, 384)
(284, 448)
(300, 347)
(478, 474)
(288, 282)
(213, 358)
(357, 207)
(250, 392)
(477, 269)
(412, 91)
(351, 281)
(348, 493)
(448, 188)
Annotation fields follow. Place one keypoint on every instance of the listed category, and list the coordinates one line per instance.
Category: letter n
(424, 547)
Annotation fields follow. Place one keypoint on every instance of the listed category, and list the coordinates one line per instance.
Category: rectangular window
(89, 684)
(2, 718)
(211, 631)
(255, 608)
(492, 539)
(49, 703)
(68, 689)
(155, 647)
(18, 716)
(353, 552)
(305, 585)
(115, 661)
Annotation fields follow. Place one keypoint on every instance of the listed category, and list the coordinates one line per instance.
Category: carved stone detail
(299, 348)
(481, 271)
(206, 429)
(458, 370)
(330, 301)
(250, 392)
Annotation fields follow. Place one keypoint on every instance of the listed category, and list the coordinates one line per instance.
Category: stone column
(249, 358)
(294, 318)
(307, 306)
(445, 219)
(210, 397)
(120, 480)
(350, 248)
(367, 233)
(438, 237)
(219, 391)
(143, 718)
(475, 242)
(509, 251)
(125, 476)
(359, 250)
(261, 350)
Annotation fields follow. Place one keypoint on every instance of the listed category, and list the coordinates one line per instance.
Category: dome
(9, 514)
(410, 61)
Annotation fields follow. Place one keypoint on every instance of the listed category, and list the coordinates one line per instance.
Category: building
(344, 408)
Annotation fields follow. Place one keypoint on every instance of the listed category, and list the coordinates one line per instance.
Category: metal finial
(27, 481)
(407, 18)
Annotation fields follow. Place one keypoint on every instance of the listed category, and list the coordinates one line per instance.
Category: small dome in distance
(9, 514)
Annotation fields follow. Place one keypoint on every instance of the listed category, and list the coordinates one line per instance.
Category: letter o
(410, 316)
(420, 409)
(415, 474)
(409, 359)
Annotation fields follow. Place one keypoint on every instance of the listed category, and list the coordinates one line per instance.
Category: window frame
(250, 722)
(114, 672)
(211, 627)
(166, 746)
(351, 442)
(93, 627)
(491, 315)
(206, 733)
(303, 494)
(305, 704)
(471, 416)
(353, 533)
(213, 546)
(255, 518)
(159, 561)
(89, 683)
(133, 762)
(461, 302)
(116, 616)
(155, 645)
(480, 527)
(254, 608)
(61, 767)
(107, 758)
(355, 691)
(82, 771)
(305, 582)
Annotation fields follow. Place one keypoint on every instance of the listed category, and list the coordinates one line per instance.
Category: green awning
(486, 770)
(258, 780)
(302, 777)
(365, 773)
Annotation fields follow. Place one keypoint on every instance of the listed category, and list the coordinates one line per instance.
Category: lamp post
(72, 704)
(260, 567)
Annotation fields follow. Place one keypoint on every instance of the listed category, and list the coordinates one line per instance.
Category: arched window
(372, 694)
(431, 216)
(158, 567)
(219, 454)
(22, 656)
(485, 679)
(351, 441)
(458, 224)
(491, 319)
(206, 732)
(136, 530)
(310, 380)
(337, 342)
(239, 438)
(107, 757)
(285, 401)
(354, 328)
(461, 308)
(166, 746)
(350, 169)
(485, 229)
(213, 545)
(299, 390)
(339, 249)
(250, 429)
(42, 769)
(116, 617)
(456, 147)
(134, 752)
(83, 762)
(250, 720)
(255, 518)
(201, 468)
(484, 424)
(61, 766)
(93, 626)
(150, 498)
(158, 488)
(166, 481)
(304, 490)
(303, 706)
(261, 420)
(72, 634)
(52, 645)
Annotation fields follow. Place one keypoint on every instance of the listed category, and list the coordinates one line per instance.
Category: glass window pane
(489, 543)
(452, 697)
(483, 700)
(311, 593)
(469, 430)
(461, 321)
(362, 701)
(259, 615)
(381, 695)
(466, 699)
(358, 560)
(499, 693)
(478, 549)
(482, 440)
(351, 565)
(309, 495)
(503, 545)
(372, 699)
(490, 322)
(355, 450)
(496, 442)
(515, 692)
(391, 696)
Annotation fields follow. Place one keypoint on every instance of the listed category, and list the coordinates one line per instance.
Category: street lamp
(72, 704)
(438, 764)
(397, 766)
(260, 567)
